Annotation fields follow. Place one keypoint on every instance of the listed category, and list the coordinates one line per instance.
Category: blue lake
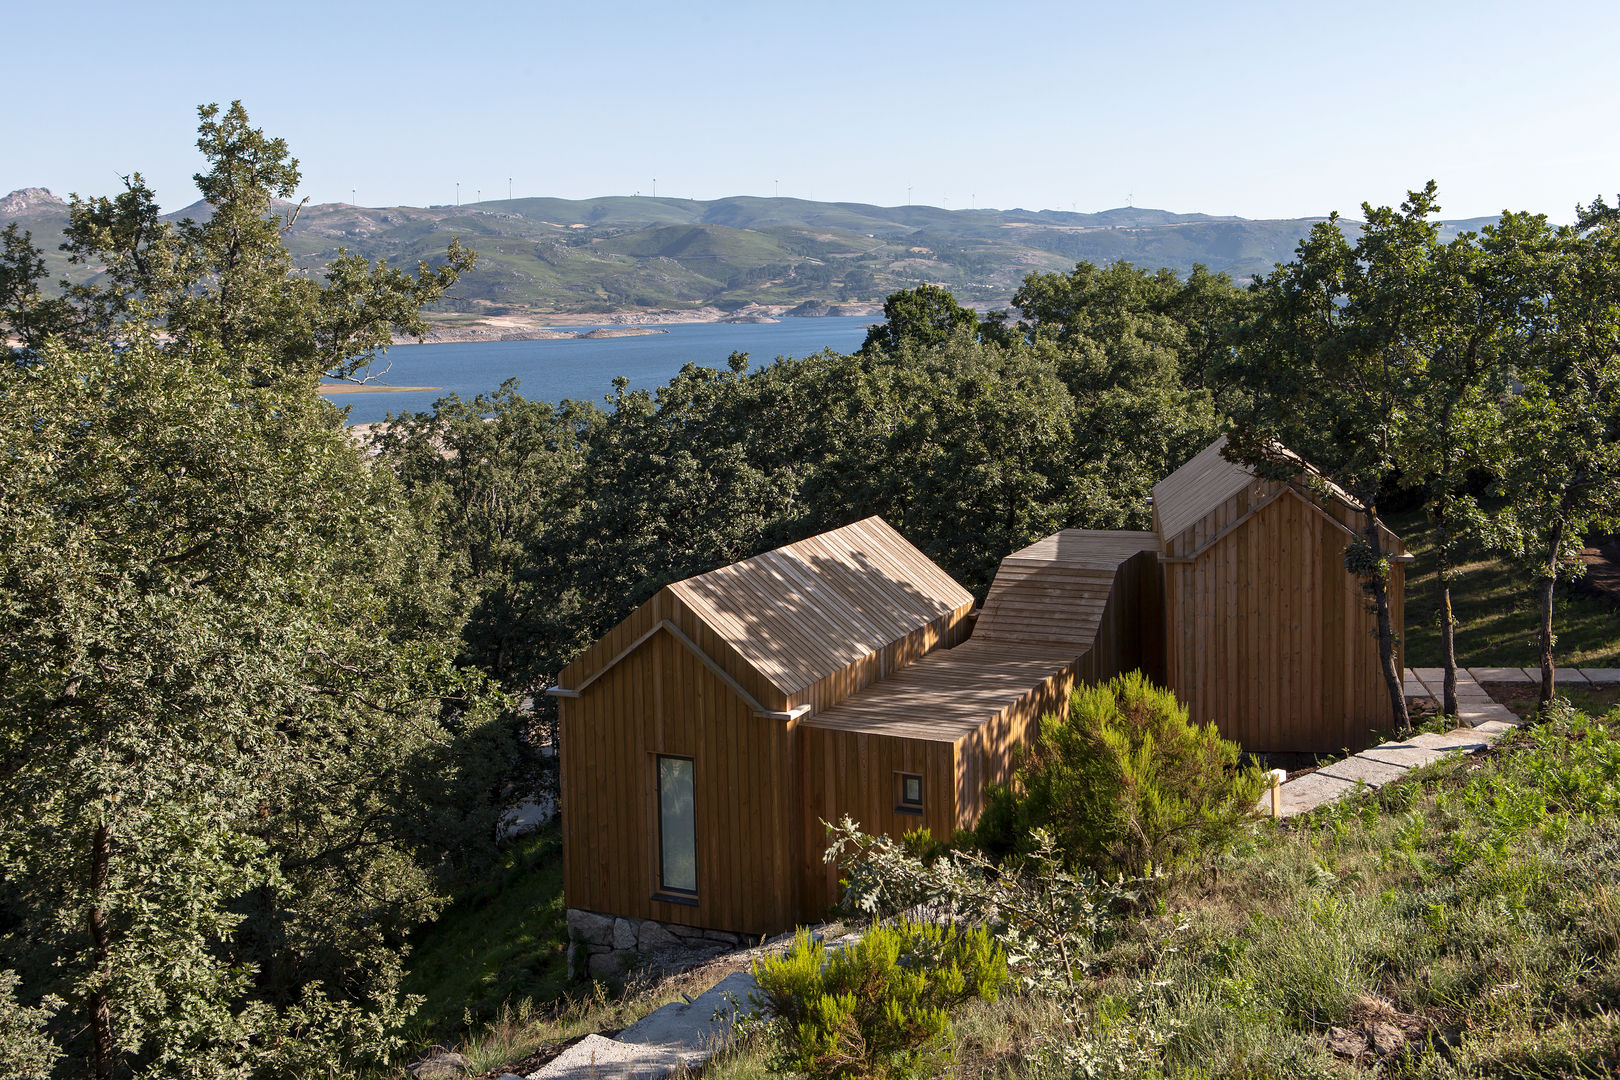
(585, 369)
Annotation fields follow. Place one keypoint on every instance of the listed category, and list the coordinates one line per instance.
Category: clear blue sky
(1257, 109)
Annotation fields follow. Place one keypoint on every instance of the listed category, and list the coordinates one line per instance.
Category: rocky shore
(609, 324)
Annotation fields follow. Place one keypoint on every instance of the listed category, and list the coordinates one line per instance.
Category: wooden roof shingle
(1198, 487)
(807, 610)
(1054, 590)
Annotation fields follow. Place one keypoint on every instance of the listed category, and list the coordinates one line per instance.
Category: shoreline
(371, 388)
(547, 326)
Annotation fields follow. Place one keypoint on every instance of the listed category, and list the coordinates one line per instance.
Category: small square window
(909, 793)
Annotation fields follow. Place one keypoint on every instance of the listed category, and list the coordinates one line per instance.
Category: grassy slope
(1473, 903)
(501, 941)
(1497, 612)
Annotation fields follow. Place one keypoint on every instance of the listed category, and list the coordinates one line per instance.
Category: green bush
(879, 1008)
(1126, 783)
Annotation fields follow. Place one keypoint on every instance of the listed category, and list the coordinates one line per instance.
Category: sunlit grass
(1497, 611)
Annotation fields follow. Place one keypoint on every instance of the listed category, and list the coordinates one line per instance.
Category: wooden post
(1278, 778)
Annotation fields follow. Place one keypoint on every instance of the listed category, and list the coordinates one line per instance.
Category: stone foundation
(606, 947)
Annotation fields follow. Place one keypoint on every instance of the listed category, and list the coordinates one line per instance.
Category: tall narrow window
(677, 827)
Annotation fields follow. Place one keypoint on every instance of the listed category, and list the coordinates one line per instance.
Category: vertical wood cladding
(1266, 633)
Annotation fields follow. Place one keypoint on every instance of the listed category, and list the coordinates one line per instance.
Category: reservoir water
(585, 369)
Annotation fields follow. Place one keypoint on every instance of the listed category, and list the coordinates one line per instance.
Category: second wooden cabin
(707, 738)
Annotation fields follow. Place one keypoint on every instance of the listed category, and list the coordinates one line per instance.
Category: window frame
(663, 890)
(903, 805)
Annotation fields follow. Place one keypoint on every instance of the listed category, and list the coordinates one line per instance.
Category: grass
(501, 942)
(1497, 612)
(1467, 915)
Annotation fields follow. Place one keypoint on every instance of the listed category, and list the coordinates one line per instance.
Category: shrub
(1126, 783)
(878, 1008)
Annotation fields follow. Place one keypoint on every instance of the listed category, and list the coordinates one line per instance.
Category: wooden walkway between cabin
(1040, 623)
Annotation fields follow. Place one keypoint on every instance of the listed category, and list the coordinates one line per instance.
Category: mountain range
(623, 253)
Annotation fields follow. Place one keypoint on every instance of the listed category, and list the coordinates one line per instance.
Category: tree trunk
(1546, 634)
(1448, 637)
(1448, 650)
(1379, 587)
(99, 1005)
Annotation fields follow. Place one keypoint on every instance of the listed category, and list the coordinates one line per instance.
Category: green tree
(1463, 305)
(228, 281)
(1560, 464)
(924, 317)
(236, 755)
(25, 312)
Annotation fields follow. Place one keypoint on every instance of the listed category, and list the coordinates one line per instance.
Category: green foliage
(879, 1007)
(26, 1047)
(1558, 454)
(921, 318)
(237, 759)
(1128, 784)
(25, 312)
(228, 282)
(1051, 921)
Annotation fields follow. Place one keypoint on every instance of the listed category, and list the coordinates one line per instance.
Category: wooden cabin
(708, 737)
(1265, 632)
(680, 728)
(1060, 610)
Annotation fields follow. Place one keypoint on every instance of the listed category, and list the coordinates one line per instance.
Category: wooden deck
(948, 693)
(1042, 617)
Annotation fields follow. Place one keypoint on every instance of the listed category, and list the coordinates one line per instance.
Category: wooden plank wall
(1129, 638)
(1268, 635)
(664, 605)
(661, 699)
(848, 772)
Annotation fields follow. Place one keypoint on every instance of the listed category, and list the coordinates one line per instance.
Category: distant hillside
(626, 253)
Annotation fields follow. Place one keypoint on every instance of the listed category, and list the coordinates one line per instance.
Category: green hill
(619, 253)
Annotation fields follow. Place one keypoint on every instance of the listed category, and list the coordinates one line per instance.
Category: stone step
(677, 1038)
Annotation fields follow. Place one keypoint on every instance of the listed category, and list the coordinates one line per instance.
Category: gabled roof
(1184, 497)
(1198, 487)
(1053, 592)
(807, 610)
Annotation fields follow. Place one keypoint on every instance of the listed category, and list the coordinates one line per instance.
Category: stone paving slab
(691, 1028)
(1369, 771)
(1562, 676)
(1405, 754)
(1430, 676)
(1457, 739)
(1599, 676)
(681, 1035)
(1311, 791)
(1500, 674)
(1495, 728)
(1486, 709)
